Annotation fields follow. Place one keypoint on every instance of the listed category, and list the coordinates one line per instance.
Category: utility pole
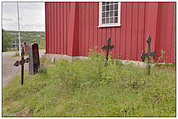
(19, 29)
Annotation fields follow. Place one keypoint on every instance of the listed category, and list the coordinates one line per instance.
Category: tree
(6, 40)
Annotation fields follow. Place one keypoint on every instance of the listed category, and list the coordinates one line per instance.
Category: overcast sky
(32, 16)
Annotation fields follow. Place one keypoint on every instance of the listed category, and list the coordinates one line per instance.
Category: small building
(72, 28)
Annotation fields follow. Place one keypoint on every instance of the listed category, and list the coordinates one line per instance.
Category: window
(109, 14)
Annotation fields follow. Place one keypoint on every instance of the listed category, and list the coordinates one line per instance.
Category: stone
(53, 60)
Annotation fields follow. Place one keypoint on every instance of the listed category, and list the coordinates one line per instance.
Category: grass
(41, 44)
(45, 61)
(88, 88)
(17, 54)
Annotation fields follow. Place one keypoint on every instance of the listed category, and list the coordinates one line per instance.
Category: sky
(32, 16)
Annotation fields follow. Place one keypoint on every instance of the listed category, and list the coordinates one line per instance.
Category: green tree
(6, 40)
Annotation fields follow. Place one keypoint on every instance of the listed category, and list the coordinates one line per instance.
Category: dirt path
(8, 70)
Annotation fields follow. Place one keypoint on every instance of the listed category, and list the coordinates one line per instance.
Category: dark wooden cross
(108, 47)
(148, 54)
(22, 62)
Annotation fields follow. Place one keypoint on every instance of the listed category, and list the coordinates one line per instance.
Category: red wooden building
(72, 28)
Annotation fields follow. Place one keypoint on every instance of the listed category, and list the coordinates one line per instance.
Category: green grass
(88, 88)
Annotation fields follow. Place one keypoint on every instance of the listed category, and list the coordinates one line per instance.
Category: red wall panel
(141, 29)
(72, 29)
(165, 30)
(123, 31)
(135, 25)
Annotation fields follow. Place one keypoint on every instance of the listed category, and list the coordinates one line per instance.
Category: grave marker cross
(148, 54)
(22, 62)
(108, 47)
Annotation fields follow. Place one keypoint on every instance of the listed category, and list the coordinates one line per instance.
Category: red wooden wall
(72, 29)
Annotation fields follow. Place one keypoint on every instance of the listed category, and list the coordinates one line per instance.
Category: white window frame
(109, 24)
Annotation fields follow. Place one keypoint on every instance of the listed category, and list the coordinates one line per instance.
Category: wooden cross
(22, 62)
(108, 47)
(148, 54)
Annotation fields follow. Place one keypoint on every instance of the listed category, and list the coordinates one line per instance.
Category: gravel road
(8, 69)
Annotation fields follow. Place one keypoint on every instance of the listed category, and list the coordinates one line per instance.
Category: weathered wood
(31, 61)
(34, 59)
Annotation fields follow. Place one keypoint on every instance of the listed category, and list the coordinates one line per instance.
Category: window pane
(103, 3)
(111, 7)
(116, 7)
(111, 20)
(115, 13)
(107, 14)
(103, 8)
(111, 13)
(107, 3)
(103, 21)
(107, 20)
(115, 20)
(107, 7)
(111, 3)
(103, 14)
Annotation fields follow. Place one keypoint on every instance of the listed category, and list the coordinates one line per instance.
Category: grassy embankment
(88, 88)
